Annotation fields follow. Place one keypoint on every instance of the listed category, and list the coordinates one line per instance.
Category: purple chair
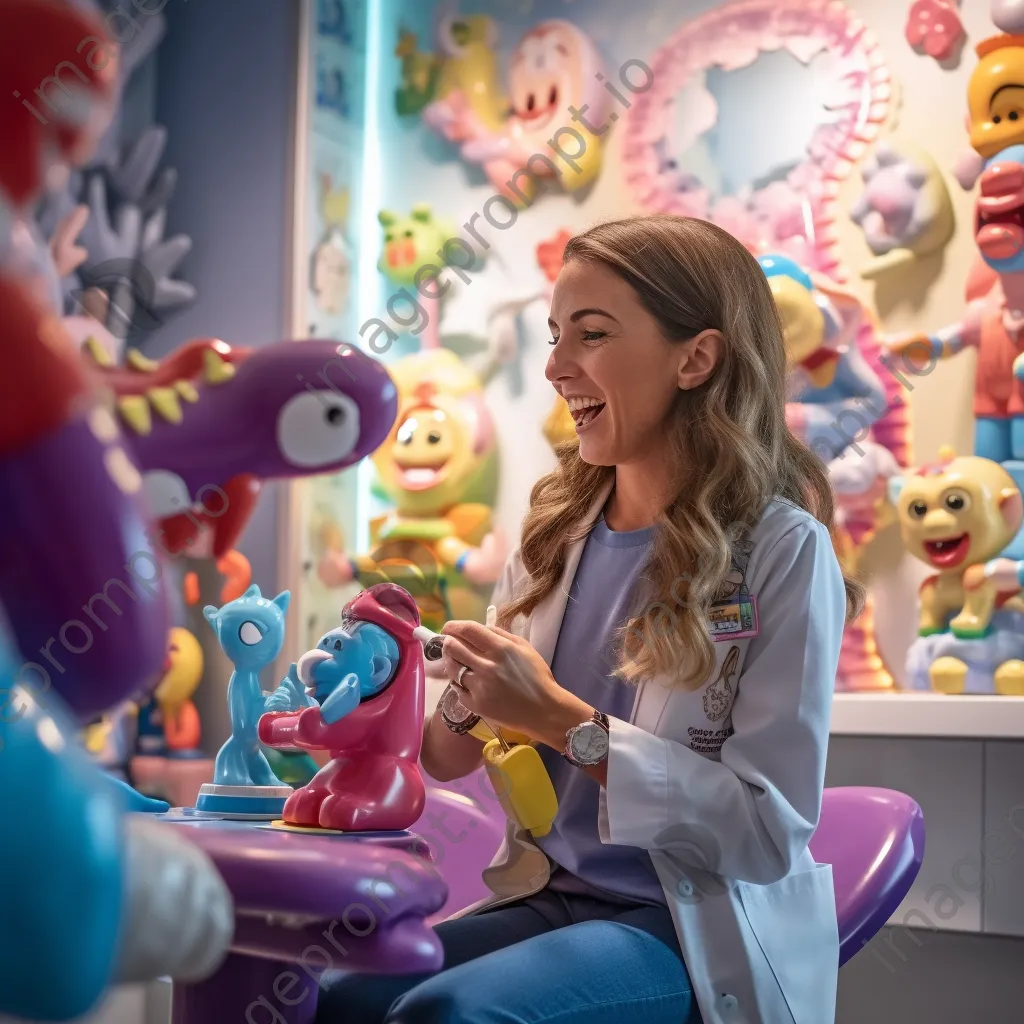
(463, 833)
(874, 840)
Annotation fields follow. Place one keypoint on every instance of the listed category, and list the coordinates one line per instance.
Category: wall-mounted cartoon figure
(934, 28)
(362, 700)
(420, 72)
(995, 95)
(439, 467)
(829, 377)
(904, 211)
(554, 68)
(332, 90)
(411, 243)
(993, 322)
(840, 401)
(462, 70)
(469, 66)
(956, 516)
(332, 21)
(331, 262)
(995, 104)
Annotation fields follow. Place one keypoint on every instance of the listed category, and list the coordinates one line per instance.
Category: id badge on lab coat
(733, 619)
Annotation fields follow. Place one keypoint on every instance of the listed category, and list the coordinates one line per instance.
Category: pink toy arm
(281, 728)
(965, 334)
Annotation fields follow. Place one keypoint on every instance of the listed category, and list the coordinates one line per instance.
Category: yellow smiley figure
(439, 468)
(995, 95)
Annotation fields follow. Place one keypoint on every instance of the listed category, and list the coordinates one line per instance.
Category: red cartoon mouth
(999, 231)
(949, 552)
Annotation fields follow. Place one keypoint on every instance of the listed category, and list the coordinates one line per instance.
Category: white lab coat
(728, 830)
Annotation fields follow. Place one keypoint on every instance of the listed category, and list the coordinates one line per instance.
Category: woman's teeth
(584, 410)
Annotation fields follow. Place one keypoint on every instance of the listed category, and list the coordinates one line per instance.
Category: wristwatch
(455, 714)
(587, 744)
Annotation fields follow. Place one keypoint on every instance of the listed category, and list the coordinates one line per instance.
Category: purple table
(304, 904)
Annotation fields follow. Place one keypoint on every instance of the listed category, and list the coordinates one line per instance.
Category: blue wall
(225, 91)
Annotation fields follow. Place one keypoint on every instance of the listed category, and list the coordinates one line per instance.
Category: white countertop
(965, 716)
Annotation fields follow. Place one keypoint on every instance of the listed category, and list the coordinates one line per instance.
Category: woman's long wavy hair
(730, 443)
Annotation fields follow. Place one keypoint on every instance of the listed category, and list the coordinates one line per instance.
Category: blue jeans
(552, 956)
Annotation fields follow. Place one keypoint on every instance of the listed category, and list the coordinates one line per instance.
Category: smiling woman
(688, 761)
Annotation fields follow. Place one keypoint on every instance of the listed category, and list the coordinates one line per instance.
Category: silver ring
(458, 679)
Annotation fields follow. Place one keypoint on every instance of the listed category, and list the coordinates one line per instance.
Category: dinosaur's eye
(318, 429)
(917, 509)
(337, 645)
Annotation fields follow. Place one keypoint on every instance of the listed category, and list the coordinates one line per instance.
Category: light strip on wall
(367, 275)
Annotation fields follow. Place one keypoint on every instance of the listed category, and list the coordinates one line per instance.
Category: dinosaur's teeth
(187, 390)
(137, 361)
(165, 401)
(134, 410)
(215, 369)
(96, 352)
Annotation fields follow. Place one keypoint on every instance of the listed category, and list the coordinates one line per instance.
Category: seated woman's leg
(595, 972)
(347, 998)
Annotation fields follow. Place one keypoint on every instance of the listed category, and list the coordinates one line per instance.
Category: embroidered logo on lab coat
(719, 696)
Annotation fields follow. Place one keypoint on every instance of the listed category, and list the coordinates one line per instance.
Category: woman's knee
(443, 999)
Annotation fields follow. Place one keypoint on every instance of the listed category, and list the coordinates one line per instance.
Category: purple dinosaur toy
(210, 422)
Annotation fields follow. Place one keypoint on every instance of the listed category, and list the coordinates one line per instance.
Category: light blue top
(602, 597)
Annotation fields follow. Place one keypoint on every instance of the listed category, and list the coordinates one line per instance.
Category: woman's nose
(559, 366)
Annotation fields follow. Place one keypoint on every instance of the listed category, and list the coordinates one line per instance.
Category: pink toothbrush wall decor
(795, 216)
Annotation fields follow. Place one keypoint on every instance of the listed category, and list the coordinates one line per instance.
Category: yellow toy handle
(522, 786)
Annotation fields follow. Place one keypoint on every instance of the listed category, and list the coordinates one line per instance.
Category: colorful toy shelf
(963, 716)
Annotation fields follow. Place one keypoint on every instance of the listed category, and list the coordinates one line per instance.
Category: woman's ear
(698, 359)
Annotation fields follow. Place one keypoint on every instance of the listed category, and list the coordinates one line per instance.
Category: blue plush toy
(350, 664)
(251, 632)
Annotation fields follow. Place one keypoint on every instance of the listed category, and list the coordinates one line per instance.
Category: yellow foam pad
(284, 826)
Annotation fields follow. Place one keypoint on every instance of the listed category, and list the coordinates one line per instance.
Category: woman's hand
(509, 684)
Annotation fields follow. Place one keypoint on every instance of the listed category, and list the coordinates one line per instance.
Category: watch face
(453, 709)
(589, 744)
